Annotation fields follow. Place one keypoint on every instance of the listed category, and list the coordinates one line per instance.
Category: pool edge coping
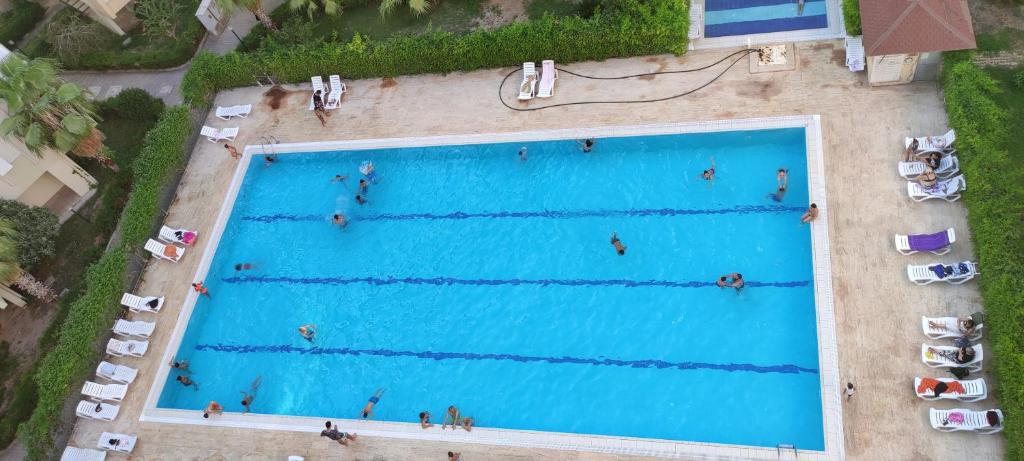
(827, 346)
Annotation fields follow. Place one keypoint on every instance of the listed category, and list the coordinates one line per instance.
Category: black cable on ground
(743, 54)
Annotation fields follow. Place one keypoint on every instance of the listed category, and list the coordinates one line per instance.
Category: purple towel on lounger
(929, 242)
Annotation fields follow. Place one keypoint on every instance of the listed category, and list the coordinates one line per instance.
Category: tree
(330, 7)
(417, 7)
(254, 6)
(46, 112)
(159, 17)
(37, 231)
(11, 272)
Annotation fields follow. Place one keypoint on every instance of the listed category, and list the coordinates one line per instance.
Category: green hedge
(90, 316)
(628, 28)
(978, 111)
(19, 20)
(851, 17)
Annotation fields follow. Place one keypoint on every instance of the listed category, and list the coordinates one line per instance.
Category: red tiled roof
(915, 26)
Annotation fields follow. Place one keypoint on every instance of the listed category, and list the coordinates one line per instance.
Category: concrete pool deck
(877, 310)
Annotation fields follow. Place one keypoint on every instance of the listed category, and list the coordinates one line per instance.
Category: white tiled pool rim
(828, 356)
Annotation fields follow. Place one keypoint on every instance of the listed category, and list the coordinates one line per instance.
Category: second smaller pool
(743, 17)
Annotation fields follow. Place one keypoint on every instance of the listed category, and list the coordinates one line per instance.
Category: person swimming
(619, 247)
(308, 332)
(360, 200)
(340, 220)
(587, 145)
(243, 267)
(709, 174)
(368, 409)
(522, 154)
(269, 159)
(737, 281)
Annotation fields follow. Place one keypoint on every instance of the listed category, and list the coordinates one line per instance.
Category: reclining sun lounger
(142, 304)
(946, 189)
(948, 166)
(129, 348)
(334, 97)
(182, 236)
(318, 84)
(959, 419)
(926, 144)
(939, 361)
(696, 21)
(82, 454)
(955, 273)
(137, 328)
(116, 373)
(226, 113)
(213, 135)
(163, 251)
(94, 410)
(937, 243)
(971, 390)
(123, 443)
(526, 89)
(946, 327)
(548, 75)
(106, 392)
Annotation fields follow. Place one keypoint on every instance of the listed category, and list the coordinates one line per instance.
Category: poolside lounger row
(925, 144)
(959, 419)
(948, 166)
(332, 98)
(129, 348)
(142, 304)
(134, 328)
(948, 189)
(109, 441)
(931, 356)
(946, 328)
(116, 373)
(105, 392)
(226, 113)
(214, 135)
(971, 390)
(97, 410)
(938, 243)
(539, 86)
(82, 454)
(954, 274)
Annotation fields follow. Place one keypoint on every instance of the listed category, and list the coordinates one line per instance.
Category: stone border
(836, 29)
(828, 356)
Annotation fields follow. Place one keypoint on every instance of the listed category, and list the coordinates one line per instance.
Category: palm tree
(418, 7)
(330, 7)
(254, 6)
(10, 271)
(46, 112)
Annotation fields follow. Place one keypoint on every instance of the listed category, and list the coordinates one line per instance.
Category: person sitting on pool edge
(425, 420)
(368, 409)
(214, 408)
(810, 214)
(619, 247)
(453, 414)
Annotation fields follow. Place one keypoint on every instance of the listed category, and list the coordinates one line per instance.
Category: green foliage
(19, 409)
(851, 17)
(629, 28)
(19, 20)
(314, 7)
(159, 17)
(984, 112)
(162, 155)
(536, 9)
(1018, 79)
(415, 6)
(1000, 40)
(132, 103)
(36, 229)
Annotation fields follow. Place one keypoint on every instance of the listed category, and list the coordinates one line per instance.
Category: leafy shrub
(1018, 79)
(133, 103)
(977, 109)
(37, 231)
(624, 28)
(159, 17)
(19, 409)
(851, 17)
(19, 20)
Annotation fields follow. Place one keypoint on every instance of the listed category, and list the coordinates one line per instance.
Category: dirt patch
(822, 46)
(988, 16)
(662, 65)
(838, 58)
(498, 13)
(274, 95)
(388, 82)
(761, 90)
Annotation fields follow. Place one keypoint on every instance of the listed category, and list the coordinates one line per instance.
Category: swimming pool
(744, 17)
(474, 279)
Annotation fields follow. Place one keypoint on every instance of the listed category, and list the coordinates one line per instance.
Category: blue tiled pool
(744, 17)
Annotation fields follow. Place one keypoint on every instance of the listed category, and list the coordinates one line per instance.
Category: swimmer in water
(373, 401)
(247, 398)
(360, 200)
(782, 177)
(619, 247)
(522, 154)
(586, 144)
(709, 174)
(339, 178)
(364, 187)
(340, 220)
(269, 159)
(243, 267)
(308, 332)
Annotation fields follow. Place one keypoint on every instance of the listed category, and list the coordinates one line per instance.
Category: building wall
(35, 179)
(891, 69)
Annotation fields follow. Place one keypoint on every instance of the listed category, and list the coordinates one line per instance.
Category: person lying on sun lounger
(965, 326)
(938, 387)
(928, 179)
(962, 355)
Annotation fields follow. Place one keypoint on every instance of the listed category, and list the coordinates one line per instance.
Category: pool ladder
(269, 141)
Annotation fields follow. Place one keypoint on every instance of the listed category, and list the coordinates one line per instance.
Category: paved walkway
(877, 310)
(166, 84)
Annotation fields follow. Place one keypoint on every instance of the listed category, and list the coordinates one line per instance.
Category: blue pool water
(474, 279)
(744, 17)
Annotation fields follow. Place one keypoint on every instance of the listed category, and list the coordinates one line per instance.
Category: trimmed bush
(626, 28)
(19, 20)
(133, 103)
(851, 17)
(978, 111)
(37, 231)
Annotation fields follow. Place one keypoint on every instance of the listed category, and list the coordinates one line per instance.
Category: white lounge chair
(94, 410)
(334, 97)
(213, 135)
(182, 236)
(129, 348)
(318, 85)
(106, 392)
(548, 75)
(926, 144)
(968, 420)
(946, 189)
(696, 21)
(226, 113)
(938, 243)
(82, 454)
(158, 249)
(142, 303)
(946, 327)
(137, 328)
(855, 53)
(948, 166)
(116, 373)
(923, 274)
(124, 443)
(529, 85)
(974, 390)
(937, 361)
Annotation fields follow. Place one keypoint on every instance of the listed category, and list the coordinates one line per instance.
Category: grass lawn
(1002, 40)
(535, 9)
